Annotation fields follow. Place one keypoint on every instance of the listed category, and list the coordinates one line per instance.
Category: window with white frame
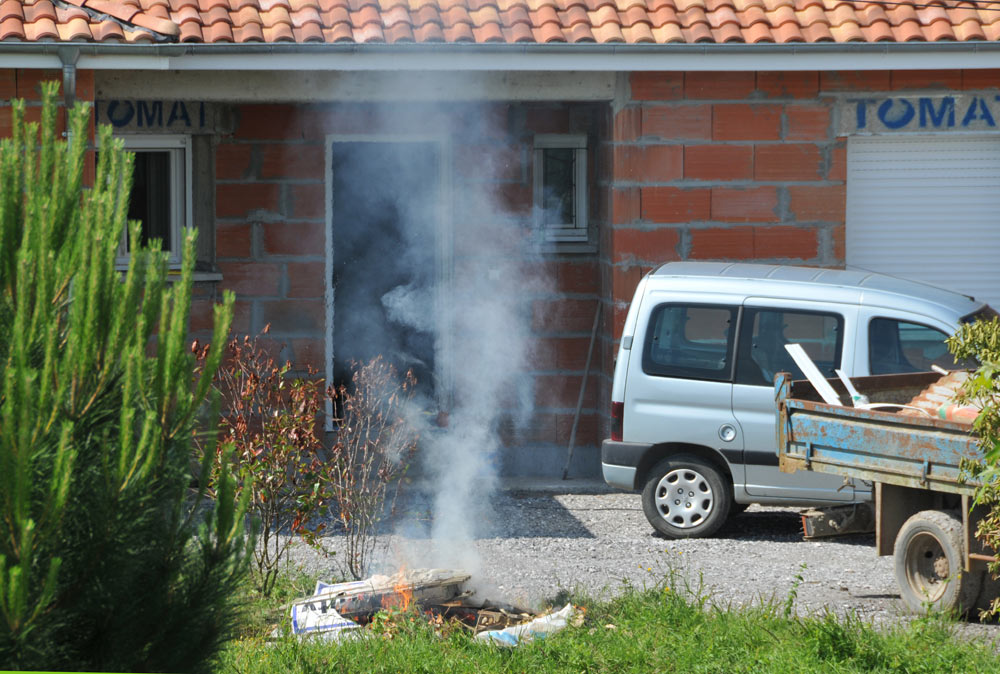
(560, 187)
(161, 191)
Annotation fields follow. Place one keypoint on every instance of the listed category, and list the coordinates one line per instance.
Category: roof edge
(508, 57)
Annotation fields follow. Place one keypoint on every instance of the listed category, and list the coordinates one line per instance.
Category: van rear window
(690, 341)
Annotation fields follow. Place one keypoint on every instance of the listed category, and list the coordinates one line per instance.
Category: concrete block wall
(270, 242)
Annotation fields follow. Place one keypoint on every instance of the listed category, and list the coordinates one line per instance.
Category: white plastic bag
(539, 628)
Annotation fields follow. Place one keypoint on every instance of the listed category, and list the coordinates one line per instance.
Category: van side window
(765, 333)
(900, 346)
(690, 341)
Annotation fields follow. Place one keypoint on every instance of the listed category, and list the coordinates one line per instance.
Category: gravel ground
(538, 543)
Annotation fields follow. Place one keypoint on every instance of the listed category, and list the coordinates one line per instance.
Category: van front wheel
(686, 497)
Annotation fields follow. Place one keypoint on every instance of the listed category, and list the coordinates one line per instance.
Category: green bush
(109, 560)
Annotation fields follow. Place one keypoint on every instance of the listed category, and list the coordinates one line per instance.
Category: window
(560, 187)
(763, 337)
(691, 342)
(899, 346)
(161, 191)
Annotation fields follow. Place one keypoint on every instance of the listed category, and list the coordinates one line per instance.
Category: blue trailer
(923, 497)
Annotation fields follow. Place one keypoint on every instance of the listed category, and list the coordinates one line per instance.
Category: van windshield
(984, 313)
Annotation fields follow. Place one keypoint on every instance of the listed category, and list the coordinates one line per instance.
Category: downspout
(68, 56)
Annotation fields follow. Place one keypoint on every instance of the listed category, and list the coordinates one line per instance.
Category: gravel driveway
(537, 543)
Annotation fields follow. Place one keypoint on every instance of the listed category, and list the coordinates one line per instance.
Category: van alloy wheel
(686, 497)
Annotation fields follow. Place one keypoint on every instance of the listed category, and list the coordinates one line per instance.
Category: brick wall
(270, 238)
(731, 166)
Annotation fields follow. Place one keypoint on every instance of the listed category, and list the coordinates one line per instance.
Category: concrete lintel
(320, 86)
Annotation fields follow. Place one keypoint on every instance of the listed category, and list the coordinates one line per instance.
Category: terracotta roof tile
(12, 28)
(487, 21)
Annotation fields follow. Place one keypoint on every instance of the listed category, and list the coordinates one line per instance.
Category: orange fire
(402, 595)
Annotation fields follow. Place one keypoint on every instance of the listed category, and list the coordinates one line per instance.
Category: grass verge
(653, 629)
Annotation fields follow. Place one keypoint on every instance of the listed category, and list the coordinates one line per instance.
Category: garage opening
(385, 220)
(927, 208)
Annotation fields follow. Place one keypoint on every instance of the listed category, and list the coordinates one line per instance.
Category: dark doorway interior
(385, 201)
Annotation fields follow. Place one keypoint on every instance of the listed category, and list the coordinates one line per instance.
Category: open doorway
(386, 262)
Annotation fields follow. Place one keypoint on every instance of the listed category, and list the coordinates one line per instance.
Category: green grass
(657, 629)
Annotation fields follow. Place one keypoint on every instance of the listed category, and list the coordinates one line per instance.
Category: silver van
(693, 413)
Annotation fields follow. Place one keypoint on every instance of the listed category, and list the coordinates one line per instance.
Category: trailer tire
(929, 560)
(701, 503)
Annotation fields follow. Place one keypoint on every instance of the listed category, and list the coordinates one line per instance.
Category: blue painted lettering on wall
(176, 115)
(926, 113)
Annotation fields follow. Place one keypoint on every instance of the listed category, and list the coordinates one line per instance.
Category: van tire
(929, 564)
(701, 501)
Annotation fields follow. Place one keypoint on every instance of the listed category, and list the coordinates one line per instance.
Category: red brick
(807, 122)
(8, 84)
(202, 316)
(294, 238)
(292, 316)
(627, 124)
(233, 240)
(237, 200)
(291, 161)
(547, 119)
(490, 161)
(821, 203)
(794, 243)
(559, 353)
(514, 198)
(838, 163)
(741, 121)
(6, 122)
(84, 85)
(656, 246)
(618, 318)
(309, 354)
(718, 162)
(673, 122)
(648, 86)
(625, 279)
(649, 164)
(306, 279)
(975, 79)
(925, 79)
(232, 161)
(735, 243)
(242, 314)
(718, 85)
(269, 121)
(562, 315)
(563, 391)
(854, 80)
(673, 204)
(577, 277)
(787, 161)
(256, 279)
(838, 239)
(309, 201)
(788, 84)
(625, 205)
(29, 82)
(755, 204)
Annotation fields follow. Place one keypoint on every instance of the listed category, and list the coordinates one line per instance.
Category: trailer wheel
(686, 497)
(929, 556)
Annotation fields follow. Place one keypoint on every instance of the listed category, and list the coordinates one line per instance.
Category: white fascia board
(597, 58)
(517, 57)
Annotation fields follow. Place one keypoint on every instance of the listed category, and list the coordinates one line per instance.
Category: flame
(402, 595)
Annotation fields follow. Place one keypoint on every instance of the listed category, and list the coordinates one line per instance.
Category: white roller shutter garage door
(927, 208)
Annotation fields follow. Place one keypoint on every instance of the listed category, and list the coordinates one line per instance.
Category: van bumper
(620, 460)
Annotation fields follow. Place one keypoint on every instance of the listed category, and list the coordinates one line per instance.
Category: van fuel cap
(727, 432)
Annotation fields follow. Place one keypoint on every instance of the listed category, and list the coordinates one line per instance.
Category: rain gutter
(506, 57)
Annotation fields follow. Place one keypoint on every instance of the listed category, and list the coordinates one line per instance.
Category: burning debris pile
(343, 610)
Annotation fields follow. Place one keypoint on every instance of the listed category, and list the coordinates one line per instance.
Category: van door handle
(727, 432)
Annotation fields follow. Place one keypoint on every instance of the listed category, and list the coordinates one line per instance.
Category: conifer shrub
(110, 560)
